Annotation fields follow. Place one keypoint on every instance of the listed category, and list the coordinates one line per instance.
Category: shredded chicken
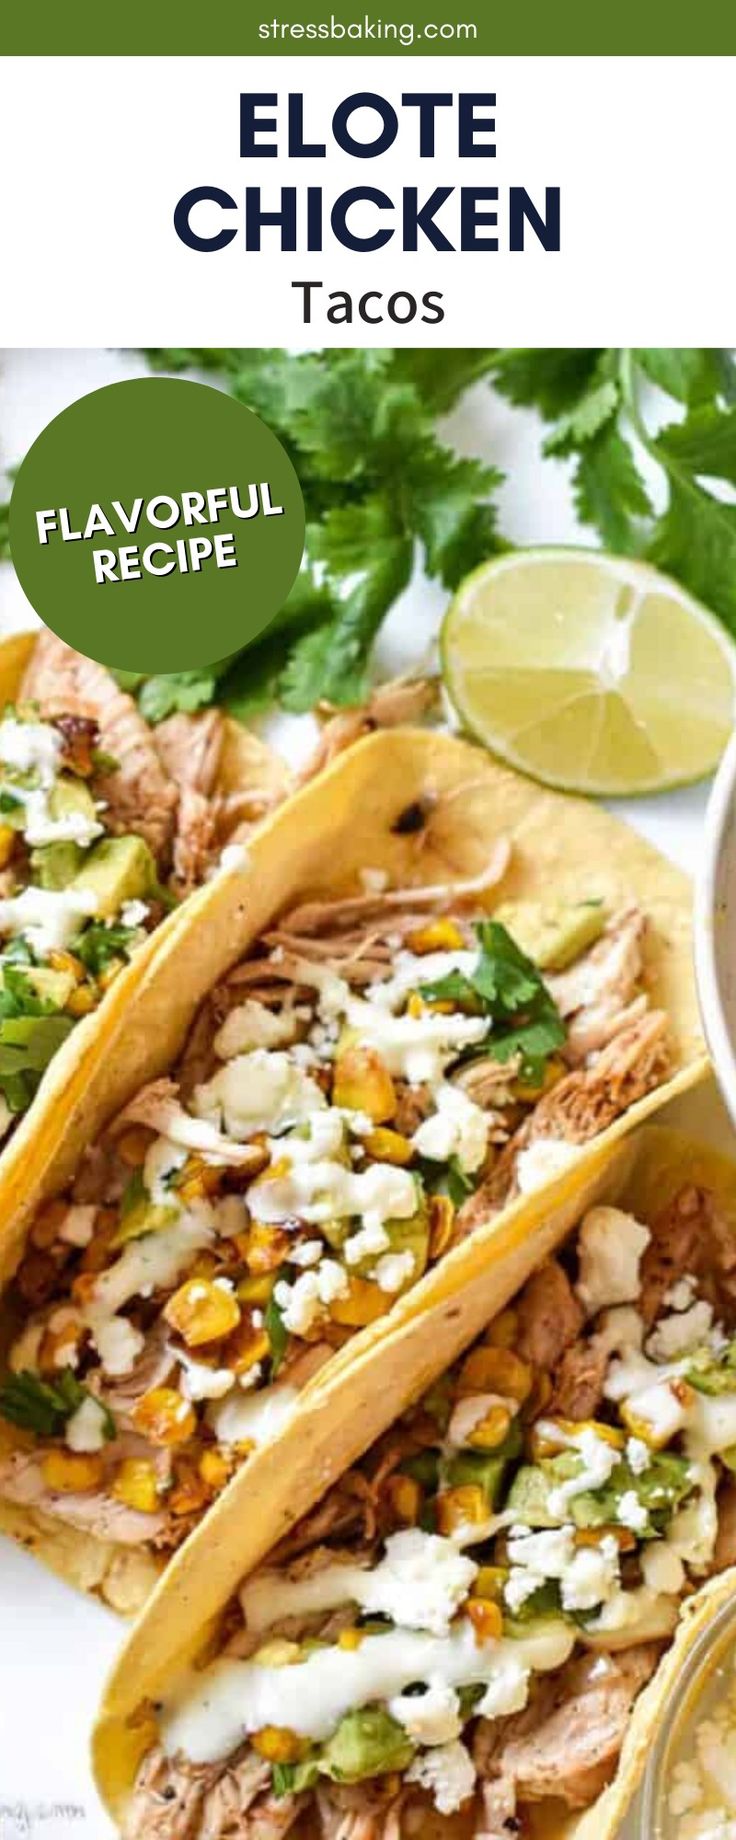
(138, 795)
(597, 995)
(549, 1317)
(229, 1801)
(190, 747)
(154, 1365)
(406, 699)
(566, 1743)
(168, 1799)
(158, 1106)
(579, 1107)
(22, 1481)
(321, 916)
(679, 1244)
(360, 1811)
(578, 1379)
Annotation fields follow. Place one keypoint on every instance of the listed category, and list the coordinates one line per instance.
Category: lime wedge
(590, 672)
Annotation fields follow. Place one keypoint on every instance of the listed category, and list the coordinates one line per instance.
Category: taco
(105, 823)
(432, 988)
(474, 1630)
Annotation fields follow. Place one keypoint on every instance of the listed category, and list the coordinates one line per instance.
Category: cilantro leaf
(364, 543)
(164, 695)
(609, 491)
(705, 443)
(277, 1333)
(98, 944)
(688, 373)
(548, 379)
(44, 1406)
(380, 487)
(506, 986)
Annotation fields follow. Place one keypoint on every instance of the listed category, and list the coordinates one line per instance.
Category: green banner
(384, 28)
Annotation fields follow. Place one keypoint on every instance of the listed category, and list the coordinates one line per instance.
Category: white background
(95, 154)
(56, 1646)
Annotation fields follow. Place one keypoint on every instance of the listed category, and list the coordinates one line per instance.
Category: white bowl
(715, 927)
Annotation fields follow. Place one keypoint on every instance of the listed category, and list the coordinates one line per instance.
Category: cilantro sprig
(98, 944)
(597, 403)
(379, 485)
(505, 986)
(45, 1406)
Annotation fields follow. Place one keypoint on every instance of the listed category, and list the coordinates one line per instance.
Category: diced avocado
(546, 1601)
(410, 1235)
(70, 794)
(424, 1468)
(54, 986)
(117, 869)
(553, 934)
(535, 1627)
(530, 1489)
(144, 1217)
(366, 1743)
(483, 1468)
(54, 865)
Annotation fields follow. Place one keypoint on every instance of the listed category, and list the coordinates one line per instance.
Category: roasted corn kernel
(66, 961)
(136, 1484)
(96, 1255)
(69, 1472)
(496, 1370)
(404, 1498)
(202, 1311)
(363, 1303)
(644, 1428)
(388, 1146)
(486, 1618)
(47, 1224)
(189, 1493)
(256, 1290)
(279, 1653)
(268, 1248)
(436, 936)
(215, 1468)
(245, 1347)
(59, 1347)
(461, 1507)
(490, 1581)
(363, 1084)
(491, 1430)
(82, 1001)
(164, 1416)
(277, 1744)
(197, 1180)
(592, 1536)
(7, 842)
(350, 1638)
(551, 1435)
(441, 1224)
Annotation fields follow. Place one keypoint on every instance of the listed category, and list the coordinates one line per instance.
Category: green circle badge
(157, 525)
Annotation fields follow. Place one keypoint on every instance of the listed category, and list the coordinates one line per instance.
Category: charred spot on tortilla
(414, 816)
